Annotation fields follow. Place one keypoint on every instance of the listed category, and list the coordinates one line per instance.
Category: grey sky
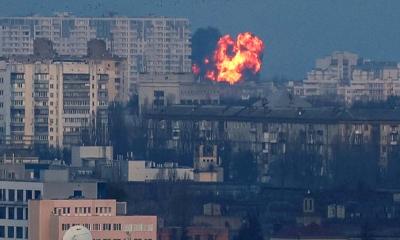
(295, 31)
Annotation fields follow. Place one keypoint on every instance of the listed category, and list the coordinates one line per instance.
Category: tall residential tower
(150, 44)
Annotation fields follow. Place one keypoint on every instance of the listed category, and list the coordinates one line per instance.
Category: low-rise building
(194, 232)
(15, 194)
(143, 171)
(90, 156)
(167, 89)
(50, 219)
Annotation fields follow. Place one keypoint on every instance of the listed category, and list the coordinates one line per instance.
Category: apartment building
(270, 134)
(50, 219)
(350, 78)
(53, 101)
(150, 44)
(328, 74)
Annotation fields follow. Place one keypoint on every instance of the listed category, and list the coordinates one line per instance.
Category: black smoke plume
(204, 43)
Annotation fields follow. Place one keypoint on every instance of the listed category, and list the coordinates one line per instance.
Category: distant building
(150, 44)
(194, 232)
(50, 219)
(207, 163)
(270, 133)
(350, 78)
(143, 171)
(157, 90)
(90, 156)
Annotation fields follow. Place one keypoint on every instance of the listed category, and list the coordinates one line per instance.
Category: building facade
(50, 219)
(15, 195)
(158, 90)
(272, 134)
(55, 101)
(150, 44)
(145, 171)
(350, 78)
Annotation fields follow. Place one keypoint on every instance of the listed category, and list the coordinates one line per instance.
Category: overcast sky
(296, 32)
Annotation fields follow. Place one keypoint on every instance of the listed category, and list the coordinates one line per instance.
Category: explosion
(231, 59)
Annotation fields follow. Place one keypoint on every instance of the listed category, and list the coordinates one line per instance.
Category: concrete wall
(90, 152)
(54, 175)
(139, 171)
(62, 190)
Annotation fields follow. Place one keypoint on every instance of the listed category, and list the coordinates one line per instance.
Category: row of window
(13, 213)
(82, 210)
(12, 232)
(13, 195)
(113, 227)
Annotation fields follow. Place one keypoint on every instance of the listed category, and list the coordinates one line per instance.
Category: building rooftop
(252, 113)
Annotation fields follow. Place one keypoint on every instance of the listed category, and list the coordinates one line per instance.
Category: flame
(231, 58)
(195, 69)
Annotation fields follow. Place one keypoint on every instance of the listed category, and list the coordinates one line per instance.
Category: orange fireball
(195, 69)
(232, 58)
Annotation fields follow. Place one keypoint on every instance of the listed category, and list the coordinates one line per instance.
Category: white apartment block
(350, 78)
(53, 101)
(150, 44)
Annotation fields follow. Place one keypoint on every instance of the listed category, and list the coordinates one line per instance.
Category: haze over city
(199, 119)
(295, 32)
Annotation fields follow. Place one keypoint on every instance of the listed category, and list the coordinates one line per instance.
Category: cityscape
(168, 125)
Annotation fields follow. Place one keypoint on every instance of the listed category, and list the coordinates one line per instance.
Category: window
(10, 232)
(77, 193)
(158, 94)
(37, 194)
(2, 194)
(20, 195)
(308, 205)
(11, 195)
(2, 212)
(2, 232)
(19, 232)
(11, 213)
(20, 213)
(26, 233)
(26, 213)
(28, 194)
(65, 227)
(117, 227)
(106, 227)
(96, 227)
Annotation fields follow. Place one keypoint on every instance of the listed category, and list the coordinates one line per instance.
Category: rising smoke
(204, 43)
